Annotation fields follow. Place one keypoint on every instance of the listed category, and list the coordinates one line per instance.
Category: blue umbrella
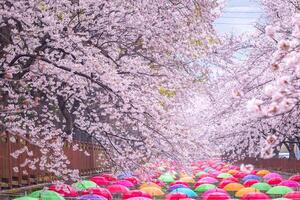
(176, 186)
(124, 174)
(251, 177)
(186, 191)
(91, 197)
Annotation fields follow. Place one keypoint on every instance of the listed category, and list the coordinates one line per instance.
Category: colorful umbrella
(135, 193)
(99, 191)
(217, 196)
(200, 183)
(139, 198)
(153, 191)
(100, 180)
(242, 192)
(46, 195)
(179, 182)
(209, 180)
(274, 181)
(295, 178)
(202, 188)
(200, 173)
(167, 178)
(279, 190)
(186, 191)
(117, 189)
(224, 183)
(132, 179)
(215, 190)
(272, 175)
(64, 190)
(293, 195)
(256, 196)
(175, 196)
(233, 187)
(82, 185)
(262, 172)
(109, 177)
(224, 175)
(26, 198)
(124, 183)
(149, 184)
(91, 197)
(233, 171)
(290, 184)
(262, 186)
(240, 175)
(173, 187)
(187, 179)
(250, 182)
(251, 177)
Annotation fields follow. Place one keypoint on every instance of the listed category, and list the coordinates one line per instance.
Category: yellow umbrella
(262, 172)
(187, 179)
(150, 184)
(153, 191)
(233, 171)
(233, 187)
(245, 191)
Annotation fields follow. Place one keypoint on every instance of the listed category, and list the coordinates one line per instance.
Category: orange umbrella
(153, 191)
(233, 187)
(244, 191)
(187, 179)
(233, 171)
(149, 184)
(262, 172)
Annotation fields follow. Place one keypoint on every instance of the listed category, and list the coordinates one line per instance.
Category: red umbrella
(217, 196)
(240, 175)
(256, 196)
(211, 191)
(293, 195)
(295, 178)
(224, 183)
(135, 193)
(99, 191)
(175, 196)
(274, 181)
(64, 190)
(179, 182)
(124, 183)
(133, 180)
(109, 177)
(100, 180)
(117, 189)
(250, 182)
(159, 183)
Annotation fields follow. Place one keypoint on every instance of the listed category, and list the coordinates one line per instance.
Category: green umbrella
(262, 186)
(279, 190)
(203, 187)
(186, 191)
(281, 199)
(200, 174)
(167, 178)
(46, 195)
(26, 198)
(224, 175)
(85, 184)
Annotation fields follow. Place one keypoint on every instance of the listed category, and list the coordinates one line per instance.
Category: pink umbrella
(295, 178)
(100, 180)
(274, 181)
(250, 182)
(256, 196)
(117, 189)
(290, 184)
(209, 180)
(224, 183)
(124, 183)
(216, 196)
(293, 195)
(109, 177)
(133, 180)
(231, 178)
(179, 182)
(64, 190)
(240, 175)
(272, 175)
(210, 191)
(139, 198)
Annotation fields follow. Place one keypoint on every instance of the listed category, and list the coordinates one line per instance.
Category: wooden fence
(9, 178)
(277, 164)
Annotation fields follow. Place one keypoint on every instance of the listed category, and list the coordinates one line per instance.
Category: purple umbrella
(272, 175)
(173, 187)
(209, 191)
(209, 180)
(290, 184)
(91, 197)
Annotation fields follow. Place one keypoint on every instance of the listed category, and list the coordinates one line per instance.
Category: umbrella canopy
(202, 188)
(135, 193)
(99, 191)
(256, 196)
(26, 198)
(240, 175)
(187, 179)
(167, 178)
(215, 190)
(250, 182)
(186, 191)
(173, 187)
(175, 196)
(224, 175)
(242, 192)
(153, 191)
(233, 187)
(262, 186)
(91, 197)
(295, 178)
(233, 171)
(272, 175)
(64, 190)
(124, 174)
(124, 183)
(274, 181)
(139, 198)
(149, 184)
(216, 196)
(82, 185)
(109, 177)
(100, 180)
(133, 180)
(209, 180)
(200, 173)
(224, 183)
(46, 195)
(293, 195)
(290, 184)
(262, 172)
(200, 183)
(279, 190)
(251, 177)
(179, 182)
(117, 189)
